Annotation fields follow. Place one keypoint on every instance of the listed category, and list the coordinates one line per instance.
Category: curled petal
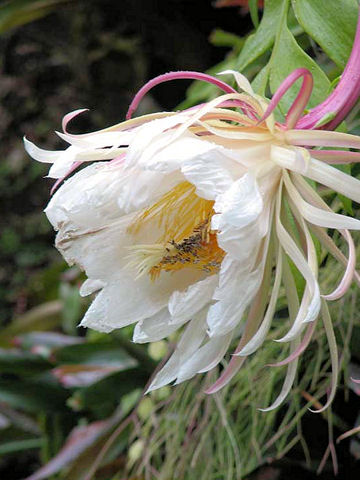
(69, 116)
(299, 349)
(347, 279)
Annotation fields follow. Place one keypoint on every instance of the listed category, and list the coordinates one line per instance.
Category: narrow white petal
(317, 216)
(320, 172)
(39, 154)
(259, 337)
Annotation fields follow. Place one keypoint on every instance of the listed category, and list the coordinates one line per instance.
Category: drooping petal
(288, 382)
(310, 305)
(190, 341)
(254, 343)
(317, 216)
(205, 358)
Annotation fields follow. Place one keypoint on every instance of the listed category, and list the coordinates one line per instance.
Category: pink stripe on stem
(299, 350)
(300, 101)
(343, 98)
(181, 75)
(336, 157)
(347, 279)
(69, 116)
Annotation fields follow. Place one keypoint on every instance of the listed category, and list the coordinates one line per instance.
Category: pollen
(186, 240)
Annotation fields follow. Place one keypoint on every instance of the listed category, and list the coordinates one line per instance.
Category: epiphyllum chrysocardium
(182, 218)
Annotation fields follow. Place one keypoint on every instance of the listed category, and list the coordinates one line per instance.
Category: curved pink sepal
(299, 350)
(181, 75)
(300, 101)
(69, 116)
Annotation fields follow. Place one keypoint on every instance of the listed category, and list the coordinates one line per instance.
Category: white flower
(182, 227)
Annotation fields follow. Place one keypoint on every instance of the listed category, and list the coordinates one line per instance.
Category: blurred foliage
(71, 403)
(14, 13)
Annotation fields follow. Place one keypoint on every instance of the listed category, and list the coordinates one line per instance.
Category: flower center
(185, 237)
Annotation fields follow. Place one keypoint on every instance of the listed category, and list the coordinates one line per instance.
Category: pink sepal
(299, 350)
(300, 101)
(181, 75)
(69, 116)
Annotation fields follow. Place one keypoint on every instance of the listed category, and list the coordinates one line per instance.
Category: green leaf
(14, 13)
(220, 38)
(21, 363)
(97, 354)
(331, 23)
(254, 12)
(44, 317)
(287, 56)
(33, 396)
(80, 439)
(20, 445)
(259, 42)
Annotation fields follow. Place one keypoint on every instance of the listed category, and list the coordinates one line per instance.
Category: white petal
(121, 303)
(320, 172)
(206, 358)
(242, 82)
(39, 154)
(242, 203)
(183, 305)
(150, 138)
(154, 328)
(237, 289)
(190, 341)
(317, 216)
(91, 286)
(212, 172)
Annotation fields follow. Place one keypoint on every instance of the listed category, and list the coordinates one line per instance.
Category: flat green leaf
(259, 42)
(331, 23)
(287, 56)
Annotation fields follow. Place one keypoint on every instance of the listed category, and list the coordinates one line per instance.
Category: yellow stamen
(186, 239)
